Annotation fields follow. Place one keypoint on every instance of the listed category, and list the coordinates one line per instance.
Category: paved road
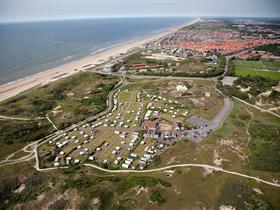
(198, 134)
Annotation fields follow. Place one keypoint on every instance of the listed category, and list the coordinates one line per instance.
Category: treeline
(210, 73)
(273, 48)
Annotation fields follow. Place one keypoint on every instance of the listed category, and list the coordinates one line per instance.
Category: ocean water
(29, 48)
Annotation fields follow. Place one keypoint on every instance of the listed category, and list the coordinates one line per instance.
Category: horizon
(123, 17)
(41, 10)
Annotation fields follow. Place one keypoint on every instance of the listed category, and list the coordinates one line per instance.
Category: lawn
(268, 69)
(253, 73)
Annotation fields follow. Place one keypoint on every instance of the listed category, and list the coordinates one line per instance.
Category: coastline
(42, 78)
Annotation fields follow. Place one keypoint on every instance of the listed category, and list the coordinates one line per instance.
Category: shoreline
(44, 77)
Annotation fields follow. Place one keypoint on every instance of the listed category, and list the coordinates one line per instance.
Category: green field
(266, 69)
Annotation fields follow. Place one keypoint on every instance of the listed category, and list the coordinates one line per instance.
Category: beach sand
(44, 77)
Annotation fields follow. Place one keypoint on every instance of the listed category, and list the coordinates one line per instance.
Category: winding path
(186, 165)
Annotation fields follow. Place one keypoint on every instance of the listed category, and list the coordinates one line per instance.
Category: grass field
(266, 69)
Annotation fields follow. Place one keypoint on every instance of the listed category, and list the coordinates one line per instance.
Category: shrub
(156, 196)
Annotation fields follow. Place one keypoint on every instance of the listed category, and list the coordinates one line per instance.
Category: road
(198, 134)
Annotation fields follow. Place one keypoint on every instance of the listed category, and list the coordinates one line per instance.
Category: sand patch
(226, 207)
(20, 189)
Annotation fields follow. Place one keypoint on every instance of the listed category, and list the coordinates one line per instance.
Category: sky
(37, 10)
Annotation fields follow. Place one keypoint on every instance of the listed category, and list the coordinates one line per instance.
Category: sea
(31, 47)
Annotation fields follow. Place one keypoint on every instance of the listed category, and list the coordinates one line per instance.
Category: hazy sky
(23, 10)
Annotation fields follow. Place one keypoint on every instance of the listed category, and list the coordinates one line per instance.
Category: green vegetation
(254, 73)
(156, 196)
(133, 181)
(103, 187)
(192, 68)
(234, 121)
(274, 96)
(194, 65)
(60, 204)
(239, 195)
(140, 58)
(33, 183)
(257, 65)
(66, 101)
(245, 68)
(232, 91)
(256, 86)
(273, 48)
(265, 147)
(24, 131)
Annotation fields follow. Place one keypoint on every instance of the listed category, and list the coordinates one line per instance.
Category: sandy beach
(44, 77)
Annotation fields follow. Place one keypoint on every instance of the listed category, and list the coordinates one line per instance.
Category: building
(151, 128)
(166, 130)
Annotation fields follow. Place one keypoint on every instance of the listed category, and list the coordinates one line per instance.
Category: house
(166, 130)
(56, 164)
(125, 165)
(150, 128)
(91, 158)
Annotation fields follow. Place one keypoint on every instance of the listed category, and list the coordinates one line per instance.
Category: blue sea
(31, 47)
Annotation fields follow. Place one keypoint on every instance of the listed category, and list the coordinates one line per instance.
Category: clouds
(21, 10)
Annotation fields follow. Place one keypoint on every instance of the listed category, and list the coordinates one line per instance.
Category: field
(154, 63)
(193, 65)
(266, 69)
(108, 141)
